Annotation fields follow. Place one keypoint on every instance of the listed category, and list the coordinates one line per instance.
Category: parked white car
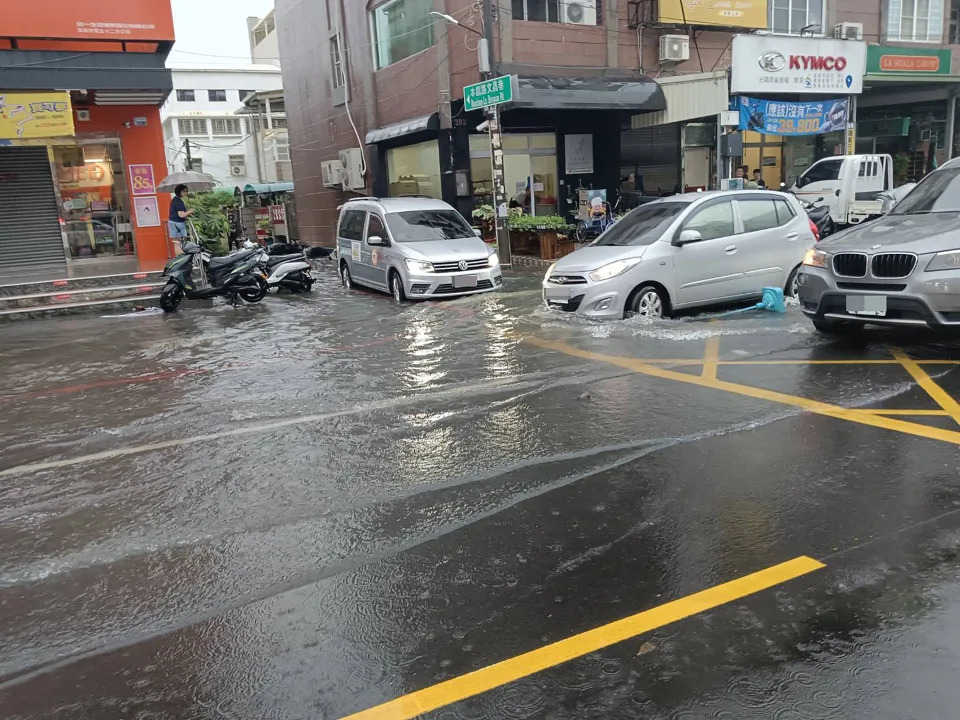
(685, 251)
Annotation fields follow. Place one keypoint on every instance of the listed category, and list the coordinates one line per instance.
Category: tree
(210, 217)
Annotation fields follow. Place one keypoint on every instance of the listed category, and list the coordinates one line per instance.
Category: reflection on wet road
(311, 507)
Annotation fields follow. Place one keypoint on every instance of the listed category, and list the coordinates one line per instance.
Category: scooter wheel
(170, 297)
(251, 296)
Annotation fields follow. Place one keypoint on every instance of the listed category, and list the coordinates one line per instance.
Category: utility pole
(496, 141)
(186, 147)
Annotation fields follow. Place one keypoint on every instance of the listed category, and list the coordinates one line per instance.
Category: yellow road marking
(939, 395)
(479, 681)
(711, 355)
(917, 413)
(689, 361)
(815, 406)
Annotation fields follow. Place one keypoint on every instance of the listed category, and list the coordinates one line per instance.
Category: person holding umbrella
(179, 213)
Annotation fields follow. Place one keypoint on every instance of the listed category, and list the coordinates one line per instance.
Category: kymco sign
(766, 64)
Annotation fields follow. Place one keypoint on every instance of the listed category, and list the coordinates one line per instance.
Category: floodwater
(310, 506)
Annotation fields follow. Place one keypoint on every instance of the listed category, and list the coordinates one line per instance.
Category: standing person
(758, 179)
(178, 214)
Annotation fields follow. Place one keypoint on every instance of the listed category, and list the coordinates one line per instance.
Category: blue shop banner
(778, 117)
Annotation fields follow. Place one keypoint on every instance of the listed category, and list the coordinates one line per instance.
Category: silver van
(685, 251)
(413, 248)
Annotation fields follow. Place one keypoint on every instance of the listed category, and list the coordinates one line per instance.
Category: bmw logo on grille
(462, 265)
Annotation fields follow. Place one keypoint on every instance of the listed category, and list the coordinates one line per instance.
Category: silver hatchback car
(901, 269)
(413, 248)
(685, 251)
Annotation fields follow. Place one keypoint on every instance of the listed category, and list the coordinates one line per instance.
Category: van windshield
(938, 192)
(427, 225)
(644, 225)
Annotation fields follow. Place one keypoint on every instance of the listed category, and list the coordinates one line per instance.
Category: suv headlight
(948, 260)
(613, 269)
(815, 258)
(419, 266)
(493, 261)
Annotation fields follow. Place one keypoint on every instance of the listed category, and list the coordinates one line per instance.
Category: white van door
(350, 242)
(822, 180)
(379, 255)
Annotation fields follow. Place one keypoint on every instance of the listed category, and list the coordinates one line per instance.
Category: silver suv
(901, 269)
(413, 248)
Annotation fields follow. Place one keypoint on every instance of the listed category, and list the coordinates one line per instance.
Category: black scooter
(237, 275)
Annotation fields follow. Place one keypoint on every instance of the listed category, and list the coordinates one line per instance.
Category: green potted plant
(545, 235)
(485, 219)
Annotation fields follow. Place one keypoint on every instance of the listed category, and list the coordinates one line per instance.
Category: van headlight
(493, 261)
(947, 260)
(815, 258)
(419, 266)
(613, 269)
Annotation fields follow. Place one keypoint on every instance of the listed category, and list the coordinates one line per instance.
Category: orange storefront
(78, 169)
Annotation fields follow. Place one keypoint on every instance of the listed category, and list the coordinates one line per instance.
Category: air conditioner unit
(352, 163)
(579, 12)
(674, 48)
(237, 169)
(848, 31)
(331, 171)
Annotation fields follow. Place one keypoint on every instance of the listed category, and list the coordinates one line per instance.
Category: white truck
(848, 185)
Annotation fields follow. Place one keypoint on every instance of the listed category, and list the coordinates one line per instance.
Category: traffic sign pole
(500, 202)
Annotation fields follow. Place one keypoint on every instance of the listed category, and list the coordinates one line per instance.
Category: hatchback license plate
(464, 281)
(875, 305)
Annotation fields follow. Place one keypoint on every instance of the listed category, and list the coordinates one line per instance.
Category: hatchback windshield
(939, 192)
(644, 225)
(426, 225)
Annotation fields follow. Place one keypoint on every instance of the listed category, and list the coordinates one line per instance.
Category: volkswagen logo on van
(772, 61)
(462, 265)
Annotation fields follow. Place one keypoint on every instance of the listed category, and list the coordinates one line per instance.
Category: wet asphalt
(311, 506)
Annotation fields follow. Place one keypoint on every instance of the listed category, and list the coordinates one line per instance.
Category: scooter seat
(226, 260)
(280, 259)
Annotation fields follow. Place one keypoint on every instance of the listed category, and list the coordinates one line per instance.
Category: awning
(883, 90)
(635, 93)
(407, 127)
(267, 188)
(688, 97)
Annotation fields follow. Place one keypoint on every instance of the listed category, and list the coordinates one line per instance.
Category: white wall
(212, 150)
(267, 50)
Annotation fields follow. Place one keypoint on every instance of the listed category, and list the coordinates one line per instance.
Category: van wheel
(396, 287)
(648, 301)
(345, 276)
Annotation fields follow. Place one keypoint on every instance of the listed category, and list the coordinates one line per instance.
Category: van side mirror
(377, 240)
(686, 237)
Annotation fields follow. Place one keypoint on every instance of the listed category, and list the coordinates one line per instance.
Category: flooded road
(310, 507)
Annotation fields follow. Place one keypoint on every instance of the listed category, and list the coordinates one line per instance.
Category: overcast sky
(213, 32)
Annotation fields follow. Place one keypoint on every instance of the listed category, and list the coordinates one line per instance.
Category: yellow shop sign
(35, 115)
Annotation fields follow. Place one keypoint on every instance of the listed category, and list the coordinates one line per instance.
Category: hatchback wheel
(648, 301)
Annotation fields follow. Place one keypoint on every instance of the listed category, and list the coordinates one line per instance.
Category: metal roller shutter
(29, 220)
(654, 155)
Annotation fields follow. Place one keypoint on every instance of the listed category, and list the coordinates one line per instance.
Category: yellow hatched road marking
(506, 671)
(711, 355)
(940, 396)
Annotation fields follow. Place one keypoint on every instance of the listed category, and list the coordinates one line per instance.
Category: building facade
(203, 124)
(79, 166)
(621, 95)
(264, 47)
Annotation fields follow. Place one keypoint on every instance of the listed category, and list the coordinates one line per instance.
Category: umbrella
(195, 182)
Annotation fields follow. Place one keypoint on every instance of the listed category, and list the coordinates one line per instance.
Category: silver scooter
(289, 272)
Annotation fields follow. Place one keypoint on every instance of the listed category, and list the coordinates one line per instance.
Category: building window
(217, 95)
(279, 122)
(574, 12)
(193, 126)
(226, 126)
(244, 93)
(401, 28)
(955, 22)
(915, 20)
(336, 62)
(186, 95)
(414, 170)
(793, 16)
(197, 164)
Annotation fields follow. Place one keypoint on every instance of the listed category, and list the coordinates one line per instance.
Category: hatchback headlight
(815, 258)
(613, 269)
(419, 266)
(948, 260)
(550, 271)
(493, 261)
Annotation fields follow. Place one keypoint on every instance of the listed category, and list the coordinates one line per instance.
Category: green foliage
(483, 212)
(209, 217)
(901, 166)
(533, 223)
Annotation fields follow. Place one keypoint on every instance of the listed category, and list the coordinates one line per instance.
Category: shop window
(192, 126)
(712, 222)
(226, 126)
(796, 16)
(217, 95)
(915, 20)
(415, 170)
(574, 12)
(757, 214)
(186, 95)
(336, 62)
(401, 28)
